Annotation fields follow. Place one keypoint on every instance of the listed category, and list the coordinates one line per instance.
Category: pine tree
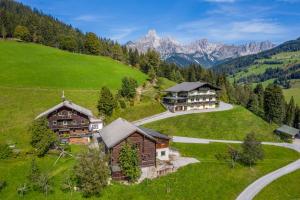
(253, 104)
(290, 113)
(274, 104)
(152, 75)
(297, 117)
(34, 175)
(259, 91)
(106, 102)
(128, 88)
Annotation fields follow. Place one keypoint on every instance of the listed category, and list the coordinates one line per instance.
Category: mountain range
(200, 51)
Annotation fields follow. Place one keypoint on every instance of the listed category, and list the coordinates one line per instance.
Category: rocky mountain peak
(199, 51)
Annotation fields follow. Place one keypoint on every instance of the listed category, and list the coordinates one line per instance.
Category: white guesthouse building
(191, 96)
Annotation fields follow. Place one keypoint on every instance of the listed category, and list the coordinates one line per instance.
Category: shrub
(122, 104)
(252, 150)
(2, 184)
(129, 162)
(5, 151)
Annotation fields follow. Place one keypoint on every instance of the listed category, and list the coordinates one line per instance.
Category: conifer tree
(106, 102)
(274, 104)
(128, 89)
(290, 113)
(253, 104)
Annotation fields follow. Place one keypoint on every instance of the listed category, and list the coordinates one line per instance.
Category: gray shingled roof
(288, 130)
(154, 133)
(188, 86)
(118, 130)
(68, 104)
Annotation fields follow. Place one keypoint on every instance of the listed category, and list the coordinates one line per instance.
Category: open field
(33, 76)
(32, 65)
(293, 91)
(286, 187)
(231, 125)
(209, 179)
(287, 59)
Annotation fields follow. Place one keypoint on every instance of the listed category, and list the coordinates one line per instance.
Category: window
(65, 122)
(54, 123)
(163, 153)
(82, 121)
(95, 126)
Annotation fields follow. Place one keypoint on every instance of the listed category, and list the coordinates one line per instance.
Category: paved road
(180, 139)
(253, 189)
(167, 114)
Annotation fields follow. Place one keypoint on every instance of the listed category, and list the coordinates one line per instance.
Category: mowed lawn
(295, 92)
(286, 187)
(210, 179)
(33, 65)
(231, 125)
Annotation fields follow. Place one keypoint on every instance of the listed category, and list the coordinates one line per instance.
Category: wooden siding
(146, 152)
(162, 143)
(68, 121)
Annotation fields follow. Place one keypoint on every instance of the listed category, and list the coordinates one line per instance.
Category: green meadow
(210, 179)
(36, 66)
(230, 125)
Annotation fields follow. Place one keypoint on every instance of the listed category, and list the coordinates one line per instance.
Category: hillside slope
(238, 64)
(32, 65)
(32, 79)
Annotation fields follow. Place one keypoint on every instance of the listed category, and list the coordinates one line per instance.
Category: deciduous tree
(42, 138)
(91, 172)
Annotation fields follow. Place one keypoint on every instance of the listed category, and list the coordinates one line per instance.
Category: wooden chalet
(73, 123)
(120, 132)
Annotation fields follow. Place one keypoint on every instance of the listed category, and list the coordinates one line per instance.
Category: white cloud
(89, 18)
(227, 30)
(121, 33)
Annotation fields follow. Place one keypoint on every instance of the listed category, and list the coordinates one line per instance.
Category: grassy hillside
(233, 125)
(33, 76)
(209, 179)
(286, 187)
(286, 59)
(32, 65)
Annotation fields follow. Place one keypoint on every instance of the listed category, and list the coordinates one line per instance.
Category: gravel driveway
(167, 114)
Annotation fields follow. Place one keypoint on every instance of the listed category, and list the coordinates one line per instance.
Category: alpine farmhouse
(151, 145)
(73, 124)
(190, 96)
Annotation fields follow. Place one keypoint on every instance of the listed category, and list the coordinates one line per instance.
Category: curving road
(167, 114)
(253, 189)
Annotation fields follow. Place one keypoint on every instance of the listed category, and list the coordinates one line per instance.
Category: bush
(5, 151)
(122, 104)
(2, 184)
(129, 162)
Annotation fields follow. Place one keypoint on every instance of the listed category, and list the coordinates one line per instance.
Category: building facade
(191, 96)
(121, 132)
(73, 123)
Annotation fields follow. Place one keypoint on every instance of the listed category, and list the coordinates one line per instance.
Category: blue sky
(228, 21)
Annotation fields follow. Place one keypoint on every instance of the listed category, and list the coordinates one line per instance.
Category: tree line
(268, 103)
